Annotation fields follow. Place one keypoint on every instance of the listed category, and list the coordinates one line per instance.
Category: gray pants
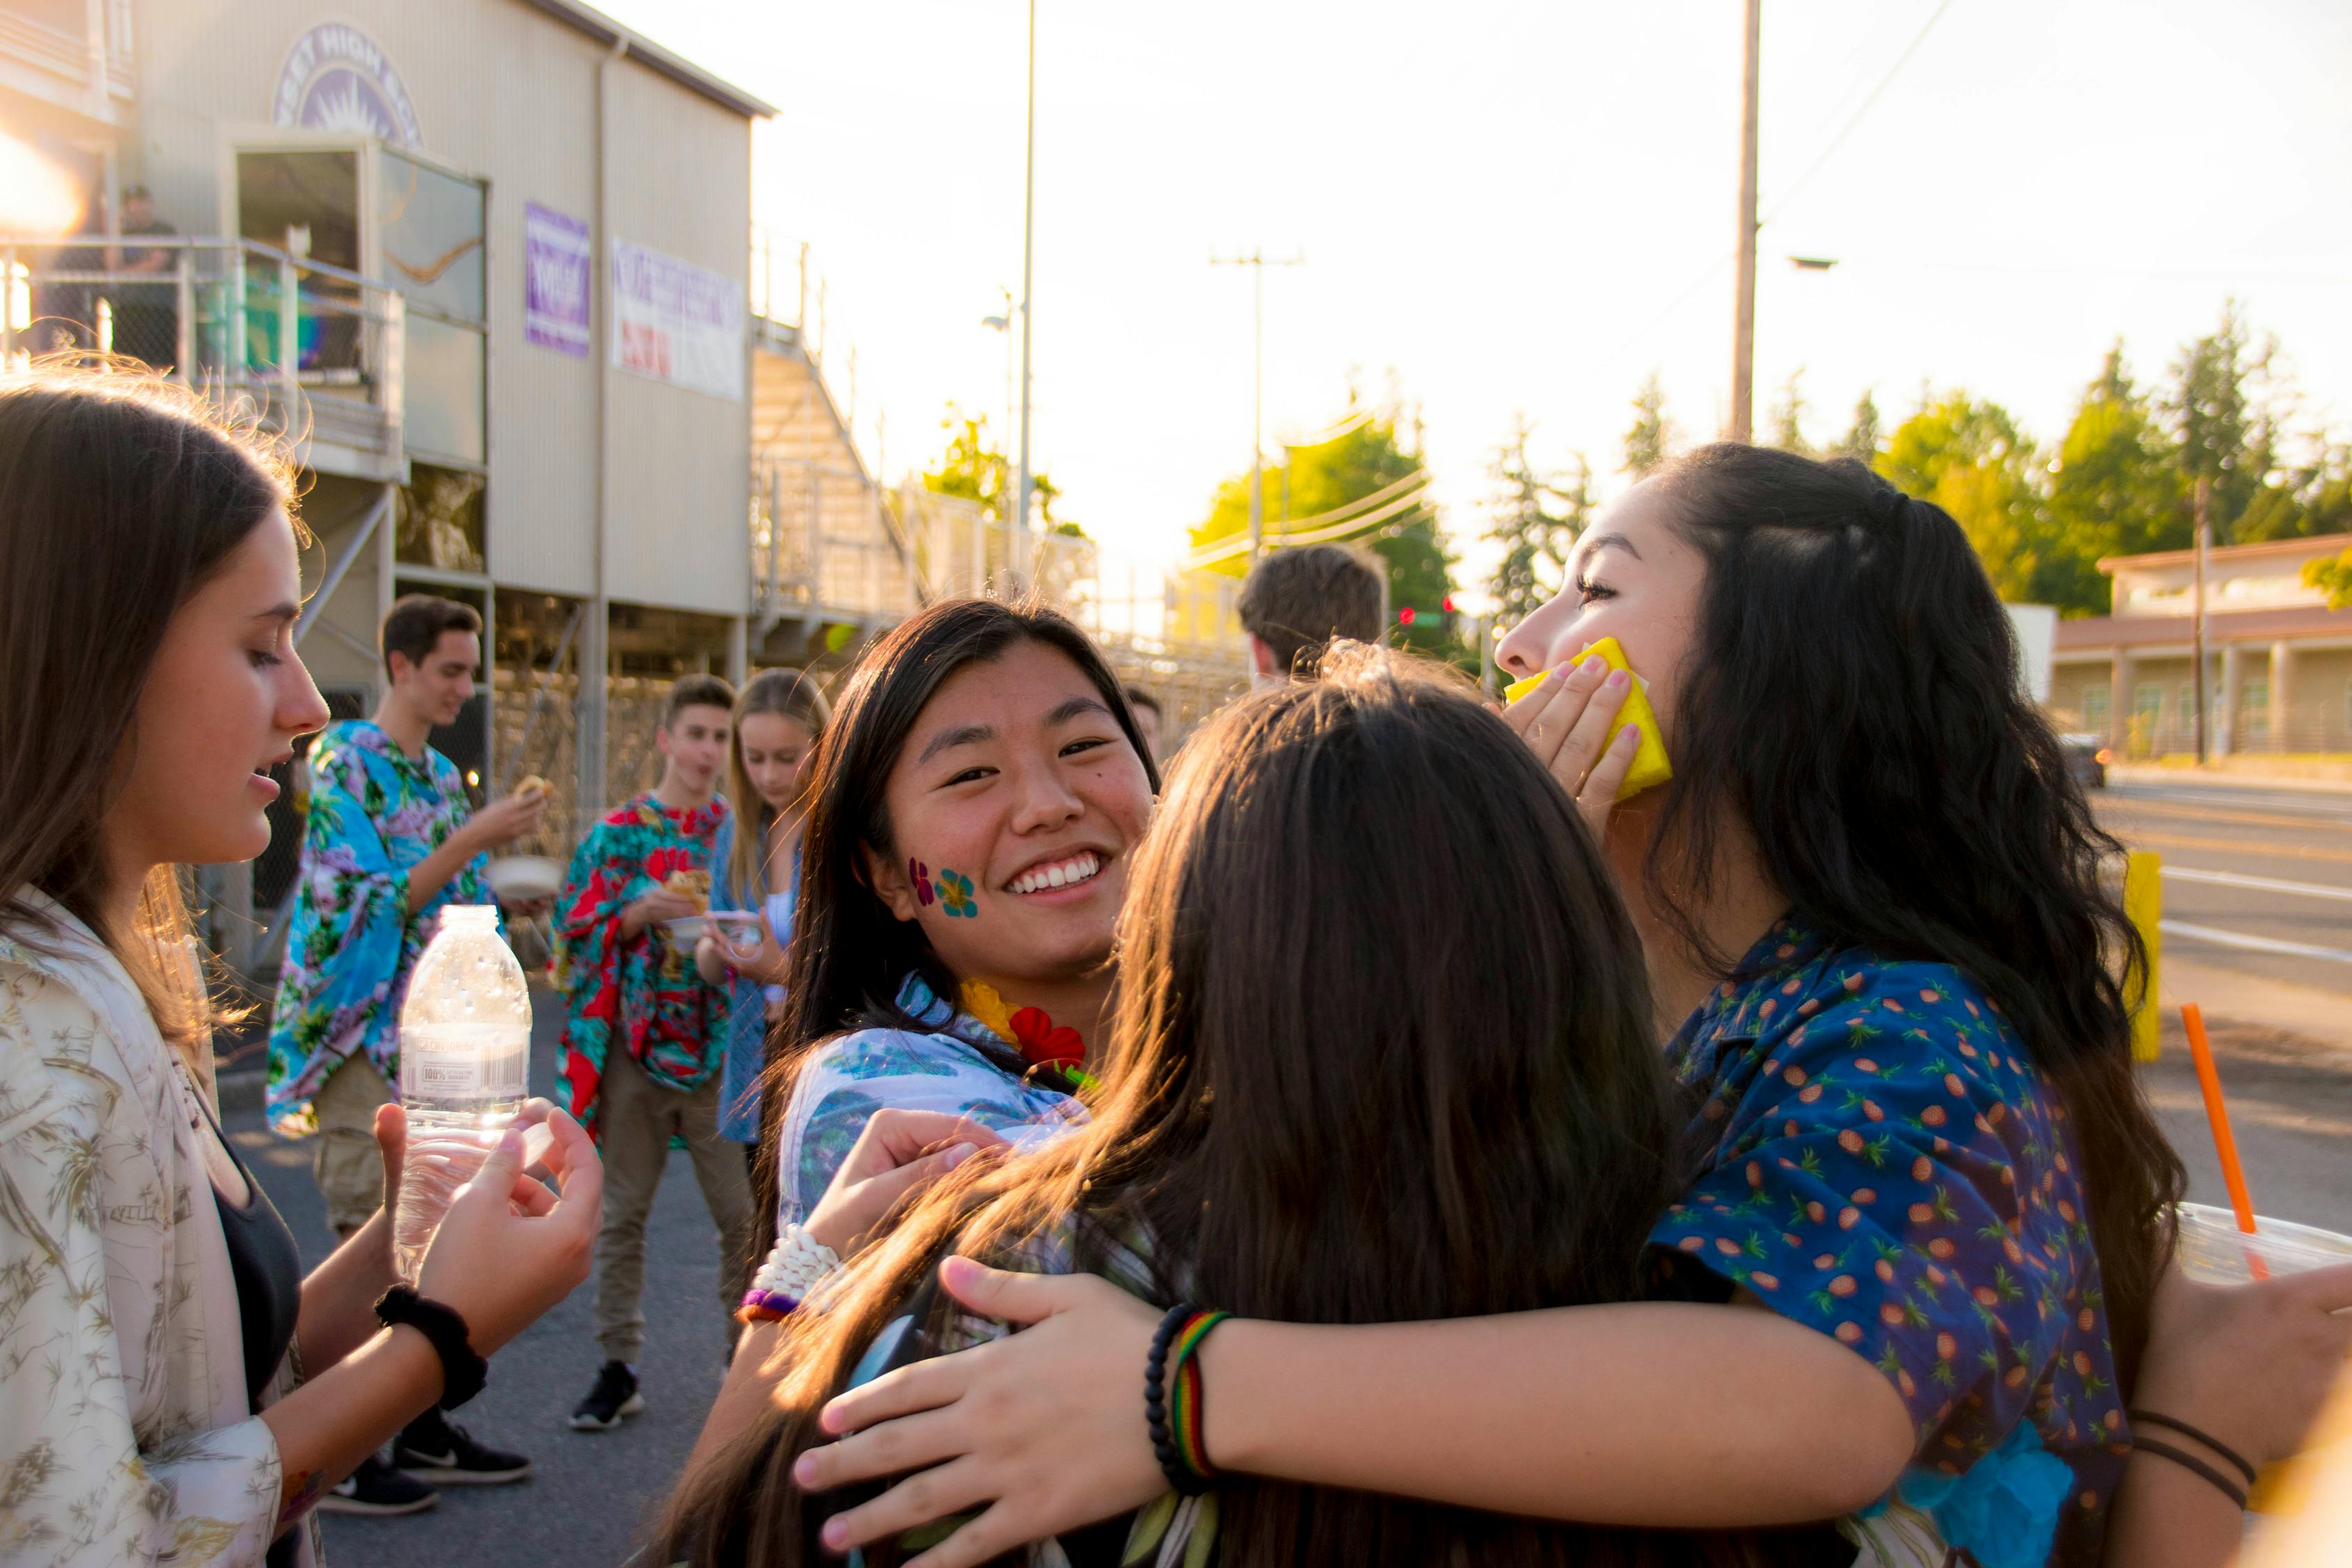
(639, 1117)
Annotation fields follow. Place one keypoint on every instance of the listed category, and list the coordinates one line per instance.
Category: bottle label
(439, 1075)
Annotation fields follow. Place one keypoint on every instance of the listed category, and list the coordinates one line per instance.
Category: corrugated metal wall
(506, 93)
(680, 461)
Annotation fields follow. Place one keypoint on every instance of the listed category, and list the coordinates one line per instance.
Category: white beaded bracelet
(797, 1266)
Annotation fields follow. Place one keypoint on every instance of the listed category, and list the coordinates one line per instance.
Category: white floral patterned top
(126, 1434)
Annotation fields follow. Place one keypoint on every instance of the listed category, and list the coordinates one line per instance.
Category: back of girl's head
(1853, 703)
(1381, 1052)
(119, 495)
(1368, 948)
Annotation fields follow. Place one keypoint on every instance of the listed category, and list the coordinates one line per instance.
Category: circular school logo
(336, 78)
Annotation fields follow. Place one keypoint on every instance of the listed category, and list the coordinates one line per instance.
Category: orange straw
(2209, 1079)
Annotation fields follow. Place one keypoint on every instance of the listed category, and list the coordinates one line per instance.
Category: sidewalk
(2236, 1003)
(2325, 778)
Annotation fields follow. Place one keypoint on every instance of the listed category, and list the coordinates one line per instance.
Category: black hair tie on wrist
(1155, 1401)
(2236, 1459)
(463, 1371)
(2190, 1462)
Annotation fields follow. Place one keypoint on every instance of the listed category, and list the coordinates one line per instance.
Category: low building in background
(2279, 660)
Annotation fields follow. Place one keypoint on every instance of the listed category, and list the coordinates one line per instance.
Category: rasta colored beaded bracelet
(1173, 1399)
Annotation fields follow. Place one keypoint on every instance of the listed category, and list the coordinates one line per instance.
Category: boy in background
(1295, 602)
(389, 841)
(644, 1035)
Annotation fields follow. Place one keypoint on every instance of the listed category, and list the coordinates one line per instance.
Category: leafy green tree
(975, 469)
(2333, 574)
(1862, 437)
(1364, 458)
(1649, 441)
(1788, 416)
(1536, 516)
(2113, 490)
(1970, 458)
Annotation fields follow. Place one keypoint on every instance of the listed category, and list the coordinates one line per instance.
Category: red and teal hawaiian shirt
(671, 1023)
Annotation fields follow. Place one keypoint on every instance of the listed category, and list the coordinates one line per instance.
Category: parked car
(2086, 758)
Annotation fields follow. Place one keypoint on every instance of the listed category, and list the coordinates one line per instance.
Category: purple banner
(556, 263)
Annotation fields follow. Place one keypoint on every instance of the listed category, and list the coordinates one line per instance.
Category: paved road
(590, 1490)
(2258, 905)
(2255, 880)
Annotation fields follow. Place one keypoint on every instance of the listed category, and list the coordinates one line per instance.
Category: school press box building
(489, 264)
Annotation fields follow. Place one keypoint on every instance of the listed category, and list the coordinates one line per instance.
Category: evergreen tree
(1862, 437)
(1536, 517)
(2115, 489)
(1788, 416)
(1651, 439)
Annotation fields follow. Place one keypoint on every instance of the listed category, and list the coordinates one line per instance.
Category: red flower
(1044, 1042)
(663, 861)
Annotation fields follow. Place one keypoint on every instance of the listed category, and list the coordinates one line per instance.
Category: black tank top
(268, 1271)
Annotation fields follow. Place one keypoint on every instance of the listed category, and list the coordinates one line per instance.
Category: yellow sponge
(1650, 767)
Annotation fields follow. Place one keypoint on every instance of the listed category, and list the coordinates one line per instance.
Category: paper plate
(520, 878)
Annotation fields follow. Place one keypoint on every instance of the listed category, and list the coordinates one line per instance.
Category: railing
(54, 36)
(318, 349)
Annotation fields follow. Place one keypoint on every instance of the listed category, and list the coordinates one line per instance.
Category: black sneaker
(375, 1488)
(446, 1454)
(614, 1397)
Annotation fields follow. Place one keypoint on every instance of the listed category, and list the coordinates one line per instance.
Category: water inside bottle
(465, 1059)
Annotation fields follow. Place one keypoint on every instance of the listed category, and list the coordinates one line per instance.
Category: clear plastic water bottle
(465, 1058)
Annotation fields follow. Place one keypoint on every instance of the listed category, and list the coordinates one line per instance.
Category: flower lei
(1030, 1030)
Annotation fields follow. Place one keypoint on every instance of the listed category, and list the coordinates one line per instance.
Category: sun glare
(37, 198)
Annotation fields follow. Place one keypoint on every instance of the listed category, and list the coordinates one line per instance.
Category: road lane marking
(2253, 944)
(2252, 819)
(2260, 884)
(2235, 846)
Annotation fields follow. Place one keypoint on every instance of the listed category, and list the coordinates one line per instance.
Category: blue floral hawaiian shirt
(1882, 1161)
(955, 1066)
(374, 812)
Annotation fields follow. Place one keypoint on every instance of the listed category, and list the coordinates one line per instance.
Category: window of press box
(438, 520)
(442, 380)
(429, 232)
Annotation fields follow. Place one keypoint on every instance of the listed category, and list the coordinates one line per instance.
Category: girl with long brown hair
(1477, 1122)
(756, 863)
(174, 1390)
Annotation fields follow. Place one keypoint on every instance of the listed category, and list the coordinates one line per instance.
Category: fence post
(2144, 907)
(240, 353)
(289, 338)
(183, 346)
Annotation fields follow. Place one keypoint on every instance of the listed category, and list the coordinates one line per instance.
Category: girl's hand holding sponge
(1649, 767)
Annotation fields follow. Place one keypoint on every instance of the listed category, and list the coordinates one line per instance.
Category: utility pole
(1019, 536)
(1257, 263)
(1743, 327)
(2204, 501)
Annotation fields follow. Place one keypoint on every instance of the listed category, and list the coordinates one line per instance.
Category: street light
(1003, 323)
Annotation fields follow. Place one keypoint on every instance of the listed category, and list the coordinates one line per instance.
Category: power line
(1838, 140)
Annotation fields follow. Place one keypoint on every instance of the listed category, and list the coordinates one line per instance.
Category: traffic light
(1404, 616)
(1449, 604)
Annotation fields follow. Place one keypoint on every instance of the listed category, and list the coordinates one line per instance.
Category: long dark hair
(1853, 703)
(1476, 1123)
(121, 495)
(849, 955)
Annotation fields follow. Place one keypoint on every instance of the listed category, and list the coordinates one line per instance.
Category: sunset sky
(1524, 207)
